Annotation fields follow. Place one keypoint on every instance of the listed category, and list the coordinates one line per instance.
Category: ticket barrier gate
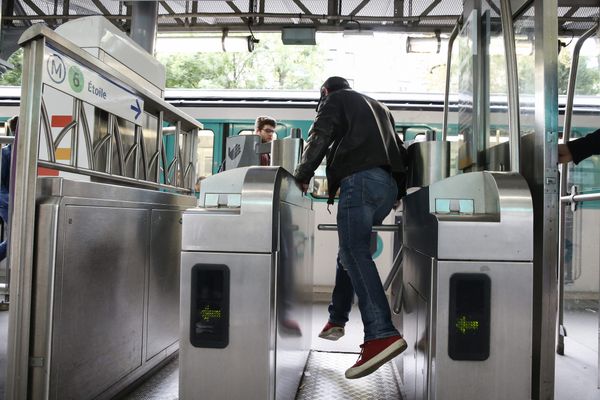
(467, 289)
(246, 287)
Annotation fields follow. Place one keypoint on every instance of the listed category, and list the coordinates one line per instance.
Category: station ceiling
(271, 15)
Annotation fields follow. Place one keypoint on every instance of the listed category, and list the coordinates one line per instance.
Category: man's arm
(580, 149)
(320, 137)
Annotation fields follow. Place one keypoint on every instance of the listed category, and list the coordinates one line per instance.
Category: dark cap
(334, 83)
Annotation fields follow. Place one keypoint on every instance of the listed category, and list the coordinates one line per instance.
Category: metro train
(231, 112)
(227, 113)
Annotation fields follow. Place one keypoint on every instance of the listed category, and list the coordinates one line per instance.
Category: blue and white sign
(67, 75)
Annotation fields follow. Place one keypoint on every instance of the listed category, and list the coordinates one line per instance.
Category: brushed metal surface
(502, 210)
(163, 281)
(245, 368)
(428, 162)
(286, 153)
(96, 309)
(438, 243)
(268, 252)
(540, 170)
(506, 374)
(256, 188)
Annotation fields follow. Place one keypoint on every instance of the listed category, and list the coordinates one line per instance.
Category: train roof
(10, 95)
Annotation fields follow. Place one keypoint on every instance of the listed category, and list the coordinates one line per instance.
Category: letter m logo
(56, 68)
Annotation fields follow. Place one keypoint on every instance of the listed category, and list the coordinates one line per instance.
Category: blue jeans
(366, 198)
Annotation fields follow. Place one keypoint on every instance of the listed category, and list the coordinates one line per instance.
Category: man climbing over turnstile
(366, 161)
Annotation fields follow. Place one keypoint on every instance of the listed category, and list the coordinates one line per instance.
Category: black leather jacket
(584, 147)
(356, 133)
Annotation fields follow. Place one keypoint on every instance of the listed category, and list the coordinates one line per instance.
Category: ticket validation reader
(467, 289)
(246, 287)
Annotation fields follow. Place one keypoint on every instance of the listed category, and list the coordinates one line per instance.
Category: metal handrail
(579, 198)
(376, 228)
(513, 85)
(453, 36)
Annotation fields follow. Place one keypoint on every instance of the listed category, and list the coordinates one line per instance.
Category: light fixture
(354, 32)
(205, 44)
(298, 35)
(424, 44)
(237, 43)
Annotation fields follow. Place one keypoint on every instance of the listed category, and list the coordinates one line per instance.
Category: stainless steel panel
(42, 309)
(246, 201)
(97, 332)
(417, 271)
(540, 170)
(91, 313)
(429, 162)
(163, 281)
(294, 300)
(286, 153)
(506, 374)
(245, 368)
(501, 210)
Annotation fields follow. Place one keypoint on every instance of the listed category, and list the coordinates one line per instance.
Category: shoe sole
(373, 364)
(332, 333)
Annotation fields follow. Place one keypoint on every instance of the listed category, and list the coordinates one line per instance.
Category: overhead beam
(34, 7)
(334, 8)
(101, 7)
(167, 7)
(578, 3)
(235, 8)
(430, 7)
(493, 6)
(306, 11)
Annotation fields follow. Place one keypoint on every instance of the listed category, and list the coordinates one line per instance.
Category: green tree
(270, 66)
(13, 76)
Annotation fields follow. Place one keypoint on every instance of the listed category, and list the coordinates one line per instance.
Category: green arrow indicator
(464, 325)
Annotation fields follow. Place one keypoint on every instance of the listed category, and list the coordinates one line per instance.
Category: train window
(320, 189)
(204, 153)
(251, 132)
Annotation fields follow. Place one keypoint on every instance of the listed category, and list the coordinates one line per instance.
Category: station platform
(576, 373)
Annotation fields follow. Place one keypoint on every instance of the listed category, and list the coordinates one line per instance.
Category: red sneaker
(374, 354)
(332, 331)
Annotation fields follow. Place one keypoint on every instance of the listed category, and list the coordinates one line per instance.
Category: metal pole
(560, 346)
(542, 178)
(178, 175)
(77, 105)
(513, 85)
(572, 82)
(22, 221)
(144, 17)
(453, 36)
(578, 198)
(159, 147)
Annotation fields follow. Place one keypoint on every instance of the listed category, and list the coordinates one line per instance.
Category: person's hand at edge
(564, 154)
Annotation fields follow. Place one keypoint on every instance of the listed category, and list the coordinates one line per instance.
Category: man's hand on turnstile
(302, 186)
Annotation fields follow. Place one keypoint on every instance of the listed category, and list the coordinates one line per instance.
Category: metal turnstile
(246, 287)
(468, 289)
